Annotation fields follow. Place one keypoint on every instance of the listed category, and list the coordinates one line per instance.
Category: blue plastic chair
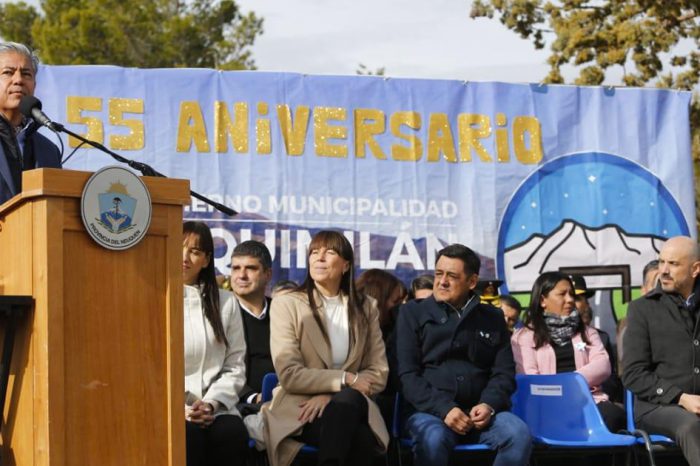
(561, 414)
(643, 438)
(407, 442)
(270, 381)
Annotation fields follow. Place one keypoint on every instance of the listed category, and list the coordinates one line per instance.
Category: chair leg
(397, 446)
(647, 445)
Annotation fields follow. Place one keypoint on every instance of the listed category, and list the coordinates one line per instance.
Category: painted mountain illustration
(575, 245)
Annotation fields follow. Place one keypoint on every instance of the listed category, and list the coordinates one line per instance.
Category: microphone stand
(144, 168)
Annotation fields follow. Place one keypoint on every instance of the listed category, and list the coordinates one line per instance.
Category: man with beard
(661, 363)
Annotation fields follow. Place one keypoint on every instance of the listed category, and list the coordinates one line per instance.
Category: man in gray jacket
(661, 364)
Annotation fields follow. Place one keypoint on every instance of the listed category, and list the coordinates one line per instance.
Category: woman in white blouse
(214, 358)
(329, 355)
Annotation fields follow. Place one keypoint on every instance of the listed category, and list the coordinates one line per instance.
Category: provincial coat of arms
(117, 208)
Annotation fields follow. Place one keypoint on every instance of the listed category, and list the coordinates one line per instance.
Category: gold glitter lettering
(262, 130)
(293, 130)
(530, 126)
(440, 139)
(75, 106)
(502, 149)
(414, 151)
(472, 127)
(323, 131)
(134, 140)
(237, 129)
(369, 122)
(191, 128)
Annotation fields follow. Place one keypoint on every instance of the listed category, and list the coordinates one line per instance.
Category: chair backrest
(396, 417)
(269, 383)
(629, 411)
(559, 410)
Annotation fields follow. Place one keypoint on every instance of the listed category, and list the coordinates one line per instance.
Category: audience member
(555, 339)
(214, 358)
(421, 287)
(389, 293)
(661, 350)
(456, 368)
(251, 271)
(612, 385)
(512, 309)
(488, 291)
(329, 355)
(650, 278)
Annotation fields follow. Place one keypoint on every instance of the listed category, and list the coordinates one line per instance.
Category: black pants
(342, 435)
(613, 415)
(224, 442)
(680, 425)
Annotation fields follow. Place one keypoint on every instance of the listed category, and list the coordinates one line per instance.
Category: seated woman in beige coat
(328, 353)
(214, 358)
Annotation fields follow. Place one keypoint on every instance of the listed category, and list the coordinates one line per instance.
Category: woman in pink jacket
(555, 339)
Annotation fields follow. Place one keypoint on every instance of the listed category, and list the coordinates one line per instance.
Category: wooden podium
(97, 374)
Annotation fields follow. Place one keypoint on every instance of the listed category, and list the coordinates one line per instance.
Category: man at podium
(21, 146)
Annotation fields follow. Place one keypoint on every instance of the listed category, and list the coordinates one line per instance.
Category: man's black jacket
(446, 361)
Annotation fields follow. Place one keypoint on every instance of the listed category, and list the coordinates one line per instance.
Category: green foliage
(362, 70)
(17, 22)
(651, 41)
(150, 34)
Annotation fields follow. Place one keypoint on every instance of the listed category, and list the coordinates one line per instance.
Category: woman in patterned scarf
(555, 339)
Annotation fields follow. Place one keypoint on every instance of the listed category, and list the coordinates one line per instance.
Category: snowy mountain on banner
(575, 245)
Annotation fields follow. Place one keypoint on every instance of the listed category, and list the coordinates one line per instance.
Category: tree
(362, 70)
(144, 34)
(650, 41)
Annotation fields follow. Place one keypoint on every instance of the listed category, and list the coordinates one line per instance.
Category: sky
(409, 38)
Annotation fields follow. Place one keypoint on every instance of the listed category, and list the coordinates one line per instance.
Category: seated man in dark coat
(661, 357)
(456, 368)
(21, 147)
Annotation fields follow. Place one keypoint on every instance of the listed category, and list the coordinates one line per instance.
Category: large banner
(532, 177)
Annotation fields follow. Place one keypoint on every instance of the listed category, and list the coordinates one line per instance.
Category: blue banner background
(422, 204)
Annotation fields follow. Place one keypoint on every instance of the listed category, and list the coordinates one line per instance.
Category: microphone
(30, 107)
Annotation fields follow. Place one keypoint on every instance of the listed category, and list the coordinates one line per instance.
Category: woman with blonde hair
(328, 353)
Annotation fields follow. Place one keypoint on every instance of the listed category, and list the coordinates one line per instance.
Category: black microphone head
(28, 103)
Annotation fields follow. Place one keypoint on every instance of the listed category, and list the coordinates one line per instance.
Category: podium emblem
(116, 208)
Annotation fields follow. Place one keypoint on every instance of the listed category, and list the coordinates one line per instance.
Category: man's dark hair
(510, 301)
(652, 265)
(471, 261)
(255, 249)
(422, 282)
